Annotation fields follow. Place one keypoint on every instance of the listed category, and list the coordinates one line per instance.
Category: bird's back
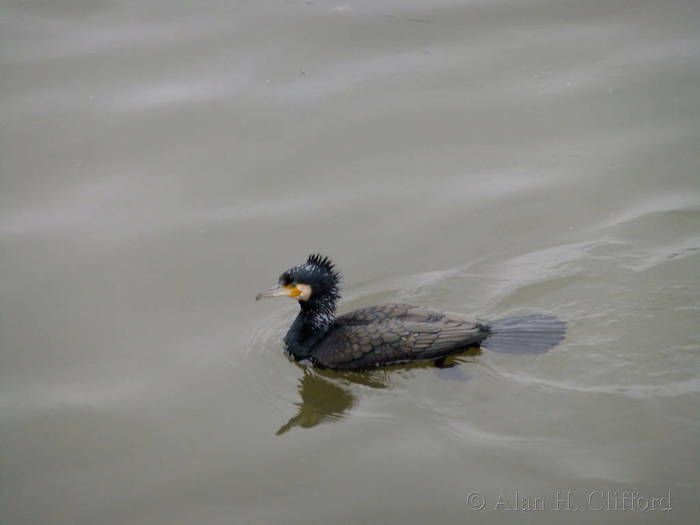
(394, 333)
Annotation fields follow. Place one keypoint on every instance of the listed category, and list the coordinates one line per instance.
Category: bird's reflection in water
(322, 397)
(327, 396)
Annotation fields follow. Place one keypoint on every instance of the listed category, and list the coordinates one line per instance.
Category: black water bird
(391, 334)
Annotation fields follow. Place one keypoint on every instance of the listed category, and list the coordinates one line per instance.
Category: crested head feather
(325, 264)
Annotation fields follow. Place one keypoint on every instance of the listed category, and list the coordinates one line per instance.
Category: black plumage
(392, 333)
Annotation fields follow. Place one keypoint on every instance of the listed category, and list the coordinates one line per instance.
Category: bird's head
(315, 280)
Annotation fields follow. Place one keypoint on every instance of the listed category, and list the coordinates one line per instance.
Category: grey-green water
(163, 162)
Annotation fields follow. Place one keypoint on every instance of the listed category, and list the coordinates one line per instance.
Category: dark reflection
(321, 400)
(327, 396)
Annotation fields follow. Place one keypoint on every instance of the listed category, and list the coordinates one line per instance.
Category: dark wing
(389, 334)
(393, 311)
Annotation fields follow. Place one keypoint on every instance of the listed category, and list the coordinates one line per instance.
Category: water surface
(162, 163)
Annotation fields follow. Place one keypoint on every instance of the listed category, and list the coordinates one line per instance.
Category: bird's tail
(524, 334)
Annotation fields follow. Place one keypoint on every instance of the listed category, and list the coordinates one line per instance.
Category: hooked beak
(280, 290)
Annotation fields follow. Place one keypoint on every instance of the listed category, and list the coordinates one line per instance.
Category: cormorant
(391, 334)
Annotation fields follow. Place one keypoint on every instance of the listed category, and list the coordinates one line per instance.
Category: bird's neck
(315, 318)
